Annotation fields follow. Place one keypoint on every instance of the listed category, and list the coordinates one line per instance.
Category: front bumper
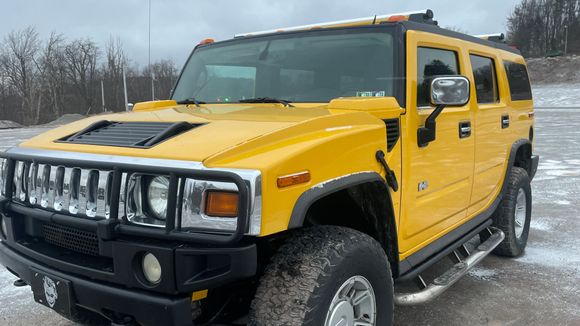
(146, 308)
(113, 283)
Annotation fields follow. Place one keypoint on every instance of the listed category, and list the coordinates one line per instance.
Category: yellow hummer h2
(295, 177)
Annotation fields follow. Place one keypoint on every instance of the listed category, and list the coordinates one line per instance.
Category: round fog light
(151, 268)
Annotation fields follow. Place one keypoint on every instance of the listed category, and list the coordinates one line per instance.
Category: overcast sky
(176, 26)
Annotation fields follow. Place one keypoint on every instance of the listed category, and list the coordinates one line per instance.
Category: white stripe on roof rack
(370, 19)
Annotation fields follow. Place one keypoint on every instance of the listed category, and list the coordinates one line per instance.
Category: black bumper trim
(146, 308)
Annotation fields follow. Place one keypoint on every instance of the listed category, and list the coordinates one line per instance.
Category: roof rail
(497, 37)
(421, 16)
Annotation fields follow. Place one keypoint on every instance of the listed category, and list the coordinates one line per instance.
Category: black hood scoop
(128, 134)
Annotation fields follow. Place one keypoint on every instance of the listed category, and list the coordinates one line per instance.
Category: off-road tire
(302, 278)
(504, 216)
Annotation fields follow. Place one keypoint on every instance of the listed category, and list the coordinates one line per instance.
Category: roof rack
(421, 16)
(497, 37)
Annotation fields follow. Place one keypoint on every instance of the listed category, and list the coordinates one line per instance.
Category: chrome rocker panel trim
(447, 279)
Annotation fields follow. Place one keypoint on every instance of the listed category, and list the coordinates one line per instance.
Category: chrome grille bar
(59, 189)
(85, 192)
(92, 192)
(33, 184)
(75, 185)
(45, 186)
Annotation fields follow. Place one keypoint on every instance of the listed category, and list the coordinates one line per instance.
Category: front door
(438, 177)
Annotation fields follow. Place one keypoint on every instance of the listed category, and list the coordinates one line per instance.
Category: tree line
(542, 27)
(40, 80)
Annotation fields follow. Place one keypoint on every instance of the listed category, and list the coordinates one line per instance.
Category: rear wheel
(514, 214)
(326, 275)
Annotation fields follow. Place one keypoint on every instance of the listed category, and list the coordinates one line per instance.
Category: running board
(443, 282)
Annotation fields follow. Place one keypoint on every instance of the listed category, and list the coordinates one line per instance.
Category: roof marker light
(206, 41)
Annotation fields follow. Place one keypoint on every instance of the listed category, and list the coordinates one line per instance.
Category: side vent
(128, 134)
(392, 133)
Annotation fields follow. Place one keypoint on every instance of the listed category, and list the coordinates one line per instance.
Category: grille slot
(67, 190)
(392, 133)
(128, 134)
(80, 241)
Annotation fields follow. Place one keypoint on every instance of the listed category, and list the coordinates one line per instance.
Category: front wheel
(326, 275)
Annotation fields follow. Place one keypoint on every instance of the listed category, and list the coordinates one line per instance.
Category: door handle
(464, 129)
(505, 121)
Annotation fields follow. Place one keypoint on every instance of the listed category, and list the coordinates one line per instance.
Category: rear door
(438, 177)
(491, 123)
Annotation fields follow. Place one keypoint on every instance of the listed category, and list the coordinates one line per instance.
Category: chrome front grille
(68, 190)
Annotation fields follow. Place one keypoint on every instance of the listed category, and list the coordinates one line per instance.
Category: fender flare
(534, 159)
(317, 192)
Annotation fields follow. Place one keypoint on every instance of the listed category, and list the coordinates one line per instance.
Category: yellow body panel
(341, 138)
(464, 175)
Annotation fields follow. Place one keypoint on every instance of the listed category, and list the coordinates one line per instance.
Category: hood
(220, 127)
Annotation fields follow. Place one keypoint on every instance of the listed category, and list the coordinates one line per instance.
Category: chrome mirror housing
(450, 91)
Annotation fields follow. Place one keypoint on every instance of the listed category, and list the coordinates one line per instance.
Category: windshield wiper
(191, 100)
(267, 100)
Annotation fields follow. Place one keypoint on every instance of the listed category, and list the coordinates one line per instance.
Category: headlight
(157, 195)
(146, 201)
(202, 205)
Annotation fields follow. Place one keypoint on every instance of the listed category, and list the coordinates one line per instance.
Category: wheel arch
(366, 193)
(521, 155)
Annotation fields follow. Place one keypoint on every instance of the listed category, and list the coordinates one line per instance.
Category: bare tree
(52, 68)
(41, 80)
(165, 73)
(456, 29)
(18, 64)
(113, 73)
(81, 58)
(538, 27)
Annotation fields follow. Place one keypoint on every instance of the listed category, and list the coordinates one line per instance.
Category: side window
(485, 79)
(431, 63)
(518, 80)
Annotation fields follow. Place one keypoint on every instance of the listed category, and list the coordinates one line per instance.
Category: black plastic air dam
(146, 308)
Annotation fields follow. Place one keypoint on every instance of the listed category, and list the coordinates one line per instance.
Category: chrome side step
(443, 282)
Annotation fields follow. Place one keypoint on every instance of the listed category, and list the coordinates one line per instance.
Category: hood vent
(128, 134)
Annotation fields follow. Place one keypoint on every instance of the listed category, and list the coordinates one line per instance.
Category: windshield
(315, 66)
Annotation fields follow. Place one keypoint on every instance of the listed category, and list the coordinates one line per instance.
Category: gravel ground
(540, 287)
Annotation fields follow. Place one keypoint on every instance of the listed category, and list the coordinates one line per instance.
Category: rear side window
(518, 80)
(485, 79)
(431, 63)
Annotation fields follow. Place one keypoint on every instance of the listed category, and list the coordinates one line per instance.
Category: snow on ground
(7, 124)
(556, 95)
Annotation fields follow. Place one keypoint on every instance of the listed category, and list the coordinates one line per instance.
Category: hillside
(556, 70)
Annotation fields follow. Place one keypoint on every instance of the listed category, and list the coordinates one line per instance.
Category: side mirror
(450, 91)
(445, 91)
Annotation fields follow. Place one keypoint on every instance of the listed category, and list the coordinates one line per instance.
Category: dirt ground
(539, 288)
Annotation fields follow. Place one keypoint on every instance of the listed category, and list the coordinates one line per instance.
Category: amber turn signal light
(221, 204)
(293, 179)
(206, 41)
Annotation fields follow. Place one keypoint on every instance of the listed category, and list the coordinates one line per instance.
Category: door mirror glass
(450, 90)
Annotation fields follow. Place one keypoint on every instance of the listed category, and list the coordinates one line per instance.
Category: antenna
(149, 59)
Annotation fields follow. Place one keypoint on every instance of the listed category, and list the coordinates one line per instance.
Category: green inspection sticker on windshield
(370, 94)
